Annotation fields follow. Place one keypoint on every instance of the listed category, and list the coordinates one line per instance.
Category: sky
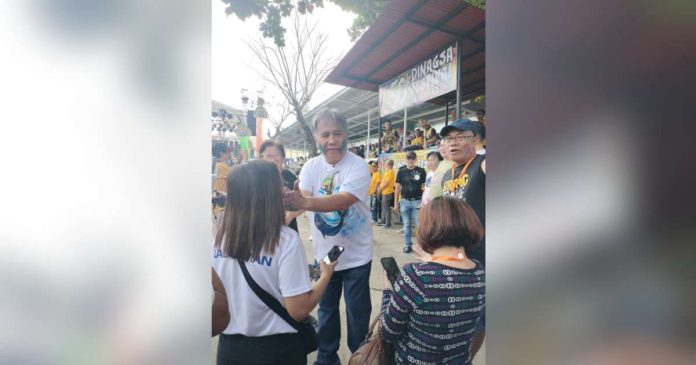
(230, 70)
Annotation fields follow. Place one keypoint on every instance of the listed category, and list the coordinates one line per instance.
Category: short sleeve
(446, 176)
(399, 177)
(292, 267)
(357, 181)
(306, 177)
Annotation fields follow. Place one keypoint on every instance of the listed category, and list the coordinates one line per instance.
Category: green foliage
(477, 3)
(271, 13)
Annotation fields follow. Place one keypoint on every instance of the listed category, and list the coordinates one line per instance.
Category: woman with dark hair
(431, 313)
(252, 236)
(275, 152)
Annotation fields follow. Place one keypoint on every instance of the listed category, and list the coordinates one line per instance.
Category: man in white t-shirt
(334, 188)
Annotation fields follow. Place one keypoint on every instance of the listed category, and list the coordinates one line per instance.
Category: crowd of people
(432, 313)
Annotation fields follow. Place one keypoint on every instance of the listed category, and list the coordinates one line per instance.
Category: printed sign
(431, 78)
(400, 159)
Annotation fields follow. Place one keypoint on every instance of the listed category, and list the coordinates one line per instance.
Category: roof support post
(379, 136)
(367, 141)
(447, 103)
(459, 80)
(403, 138)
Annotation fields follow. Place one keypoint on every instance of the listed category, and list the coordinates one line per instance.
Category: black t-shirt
(289, 182)
(470, 187)
(411, 182)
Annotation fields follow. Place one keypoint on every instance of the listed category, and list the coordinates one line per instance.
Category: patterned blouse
(432, 313)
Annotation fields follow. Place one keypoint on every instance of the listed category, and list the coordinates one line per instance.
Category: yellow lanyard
(454, 167)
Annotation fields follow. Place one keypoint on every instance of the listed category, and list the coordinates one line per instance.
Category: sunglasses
(410, 158)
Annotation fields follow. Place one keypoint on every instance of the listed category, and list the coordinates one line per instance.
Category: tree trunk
(309, 137)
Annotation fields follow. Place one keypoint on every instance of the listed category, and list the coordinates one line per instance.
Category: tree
(278, 118)
(297, 69)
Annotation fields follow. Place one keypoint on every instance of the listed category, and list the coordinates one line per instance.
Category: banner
(429, 79)
(400, 159)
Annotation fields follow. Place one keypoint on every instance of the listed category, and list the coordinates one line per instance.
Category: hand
(396, 208)
(327, 269)
(293, 199)
(385, 282)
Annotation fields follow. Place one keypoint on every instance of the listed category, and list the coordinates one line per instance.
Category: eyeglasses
(410, 158)
(459, 138)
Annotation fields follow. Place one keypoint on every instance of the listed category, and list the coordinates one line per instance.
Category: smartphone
(392, 269)
(333, 254)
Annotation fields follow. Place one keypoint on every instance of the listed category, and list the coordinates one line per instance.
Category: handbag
(373, 351)
(305, 328)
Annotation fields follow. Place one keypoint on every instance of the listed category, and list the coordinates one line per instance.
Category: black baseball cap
(411, 155)
(462, 125)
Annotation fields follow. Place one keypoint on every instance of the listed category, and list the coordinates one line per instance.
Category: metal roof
(409, 31)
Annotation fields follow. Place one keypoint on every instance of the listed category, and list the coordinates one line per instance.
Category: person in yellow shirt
(418, 139)
(222, 169)
(386, 188)
(375, 198)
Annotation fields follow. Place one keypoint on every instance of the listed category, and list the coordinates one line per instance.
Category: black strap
(268, 299)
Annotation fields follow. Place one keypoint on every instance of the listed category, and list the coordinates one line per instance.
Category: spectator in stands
(275, 152)
(375, 198)
(252, 236)
(416, 143)
(386, 189)
(434, 306)
(481, 116)
(390, 138)
(408, 192)
(433, 159)
(429, 134)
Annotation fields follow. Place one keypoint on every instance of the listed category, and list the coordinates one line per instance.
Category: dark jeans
(356, 290)
(268, 350)
(376, 206)
(387, 204)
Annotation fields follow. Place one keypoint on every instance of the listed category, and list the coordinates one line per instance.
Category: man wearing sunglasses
(409, 186)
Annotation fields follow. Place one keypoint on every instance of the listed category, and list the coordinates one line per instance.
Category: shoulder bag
(373, 351)
(308, 335)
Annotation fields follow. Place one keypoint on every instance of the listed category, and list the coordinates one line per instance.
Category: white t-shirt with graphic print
(351, 228)
(283, 274)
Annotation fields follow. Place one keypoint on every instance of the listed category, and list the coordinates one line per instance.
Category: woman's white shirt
(283, 274)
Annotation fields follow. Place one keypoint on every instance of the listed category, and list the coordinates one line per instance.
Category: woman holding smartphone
(431, 313)
(252, 234)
